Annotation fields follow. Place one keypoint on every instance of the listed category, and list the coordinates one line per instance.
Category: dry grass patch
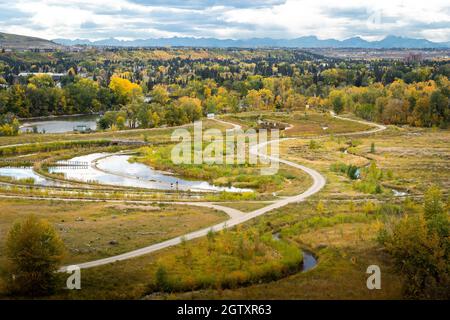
(97, 230)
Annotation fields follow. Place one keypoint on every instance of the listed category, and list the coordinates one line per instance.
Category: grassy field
(309, 123)
(227, 259)
(409, 167)
(342, 236)
(97, 230)
(341, 274)
(339, 225)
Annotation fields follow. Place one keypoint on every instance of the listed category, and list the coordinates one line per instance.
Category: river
(60, 124)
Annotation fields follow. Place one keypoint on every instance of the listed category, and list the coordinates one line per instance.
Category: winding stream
(309, 260)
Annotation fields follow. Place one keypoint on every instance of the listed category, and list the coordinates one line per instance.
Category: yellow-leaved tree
(124, 89)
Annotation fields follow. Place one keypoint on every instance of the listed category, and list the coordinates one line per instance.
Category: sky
(231, 19)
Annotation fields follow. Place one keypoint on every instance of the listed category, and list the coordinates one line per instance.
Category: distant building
(55, 76)
(414, 57)
(210, 115)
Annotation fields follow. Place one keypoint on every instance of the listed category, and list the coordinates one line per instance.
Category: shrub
(353, 172)
(162, 282)
(420, 248)
(389, 209)
(35, 251)
(313, 145)
(350, 170)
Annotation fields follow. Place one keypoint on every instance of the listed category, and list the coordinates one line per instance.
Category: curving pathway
(236, 216)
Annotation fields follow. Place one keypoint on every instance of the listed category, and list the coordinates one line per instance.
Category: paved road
(236, 216)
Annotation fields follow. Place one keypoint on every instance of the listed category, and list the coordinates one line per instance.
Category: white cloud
(299, 17)
(293, 18)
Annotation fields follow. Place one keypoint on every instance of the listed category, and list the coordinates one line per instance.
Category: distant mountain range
(303, 42)
(14, 41)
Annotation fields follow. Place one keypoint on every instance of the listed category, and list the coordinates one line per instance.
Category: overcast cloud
(132, 19)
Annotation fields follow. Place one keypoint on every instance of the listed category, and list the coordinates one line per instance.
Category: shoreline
(59, 116)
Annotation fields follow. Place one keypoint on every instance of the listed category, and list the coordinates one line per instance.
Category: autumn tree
(160, 94)
(124, 89)
(260, 99)
(34, 250)
(420, 248)
(192, 107)
(82, 95)
(337, 101)
(42, 81)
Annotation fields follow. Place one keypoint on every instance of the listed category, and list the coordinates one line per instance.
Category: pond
(61, 124)
(115, 169)
(27, 173)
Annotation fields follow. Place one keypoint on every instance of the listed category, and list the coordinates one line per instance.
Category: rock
(79, 219)
(114, 242)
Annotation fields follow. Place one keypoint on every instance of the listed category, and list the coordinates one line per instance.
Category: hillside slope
(13, 41)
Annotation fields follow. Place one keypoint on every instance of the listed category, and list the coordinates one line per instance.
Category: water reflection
(117, 170)
(309, 261)
(60, 124)
(27, 173)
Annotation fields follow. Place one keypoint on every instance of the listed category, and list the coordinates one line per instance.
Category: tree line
(150, 88)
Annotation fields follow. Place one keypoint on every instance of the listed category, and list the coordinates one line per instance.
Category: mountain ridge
(13, 41)
(388, 42)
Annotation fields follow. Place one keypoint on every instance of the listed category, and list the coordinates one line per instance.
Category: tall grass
(226, 260)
